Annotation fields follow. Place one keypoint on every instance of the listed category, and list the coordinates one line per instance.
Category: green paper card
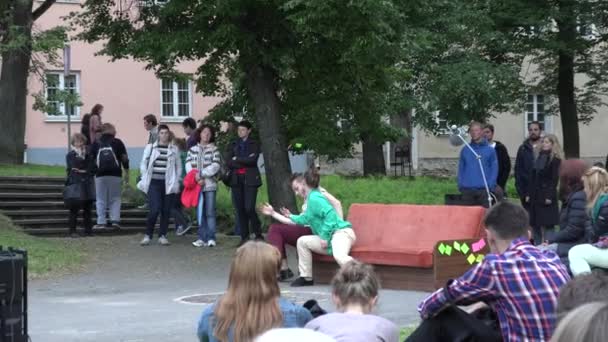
(471, 259)
(448, 250)
(457, 246)
(480, 258)
(464, 248)
(441, 248)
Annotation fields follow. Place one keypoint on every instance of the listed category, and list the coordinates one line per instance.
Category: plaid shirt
(521, 285)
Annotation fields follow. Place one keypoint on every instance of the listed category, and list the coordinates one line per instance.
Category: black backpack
(106, 159)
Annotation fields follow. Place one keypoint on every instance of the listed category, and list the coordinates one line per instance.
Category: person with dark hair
(542, 194)
(205, 158)
(111, 158)
(85, 128)
(573, 215)
(516, 280)
(242, 160)
(79, 164)
(331, 234)
(504, 161)
(588, 288)
(189, 126)
(524, 162)
(355, 290)
(94, 123)
(280, 235)
(161, 169)
(151, 125)
(470, 176)
(182, 220)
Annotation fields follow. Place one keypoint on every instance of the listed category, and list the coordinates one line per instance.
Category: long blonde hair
(556, 150)
(595, 181)
(588, 323)
(250, 306)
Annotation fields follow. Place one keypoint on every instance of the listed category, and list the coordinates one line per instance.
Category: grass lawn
(31, 170)
(45, 256)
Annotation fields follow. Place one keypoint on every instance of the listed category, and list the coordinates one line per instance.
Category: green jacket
(321, 217)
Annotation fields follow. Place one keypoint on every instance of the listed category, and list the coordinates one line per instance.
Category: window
(443, 127)
(176, 99)
(56, 81)
(535, 111)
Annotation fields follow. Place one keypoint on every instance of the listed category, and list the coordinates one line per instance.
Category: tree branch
(42, 8)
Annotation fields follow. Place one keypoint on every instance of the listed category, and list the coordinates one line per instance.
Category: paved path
(128, 293)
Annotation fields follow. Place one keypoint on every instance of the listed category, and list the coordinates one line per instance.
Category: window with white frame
(442, 124)
(57, 81)
(535, 111)
(176, 98)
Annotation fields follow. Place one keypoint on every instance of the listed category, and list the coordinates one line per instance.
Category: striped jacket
(207, 160)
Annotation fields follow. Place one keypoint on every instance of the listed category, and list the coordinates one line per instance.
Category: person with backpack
(161, 169)
(111, 158)
(205, 157)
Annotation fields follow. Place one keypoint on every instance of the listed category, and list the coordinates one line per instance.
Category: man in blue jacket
(470, 179)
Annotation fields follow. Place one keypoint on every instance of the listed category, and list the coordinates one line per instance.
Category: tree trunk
(262, 92)
(373, 157)
(565, 80)
(13, 86)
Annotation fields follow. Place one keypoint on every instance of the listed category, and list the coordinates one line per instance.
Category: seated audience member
(587, 288)
(516, 280)
(280, 234)
(355, 293)
(594, 253)
(588, 323)
(252, 303)
(331, 235)
(573, 216)
(293, 335)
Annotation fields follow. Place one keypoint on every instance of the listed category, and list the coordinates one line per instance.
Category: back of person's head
(595, 182)
(583, 289)
(588, 323)
(294, 335)
(180, 143)
(570, 176)
(108, 128)
(507, 221)
(97, 109)
(250, 305)
(355, 283)
(189, 123)
(312, 178)
(151, 119)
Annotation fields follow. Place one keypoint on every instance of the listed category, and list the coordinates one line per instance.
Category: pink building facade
(126, 90)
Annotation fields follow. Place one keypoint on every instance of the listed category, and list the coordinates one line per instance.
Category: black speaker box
(13, 295)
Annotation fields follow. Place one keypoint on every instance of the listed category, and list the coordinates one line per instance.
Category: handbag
(72, 193)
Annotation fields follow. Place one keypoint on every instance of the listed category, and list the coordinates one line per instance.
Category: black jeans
(244, 198)
(453, 324)
(160, 203)
(87, 223)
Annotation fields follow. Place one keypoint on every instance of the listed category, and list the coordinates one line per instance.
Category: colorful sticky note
(457, 246)
(448, 250)
(464, 248)
(479, 245)
(441, 248)
(471, 259)
(480, 258)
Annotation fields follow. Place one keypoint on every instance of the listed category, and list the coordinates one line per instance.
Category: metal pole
(66, 72)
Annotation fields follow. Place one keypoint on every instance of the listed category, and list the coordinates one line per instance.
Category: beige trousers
(341, 242)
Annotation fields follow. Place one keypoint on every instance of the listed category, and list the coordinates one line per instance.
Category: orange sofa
(400, 240)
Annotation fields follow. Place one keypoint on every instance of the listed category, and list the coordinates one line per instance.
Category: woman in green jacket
(331, 234)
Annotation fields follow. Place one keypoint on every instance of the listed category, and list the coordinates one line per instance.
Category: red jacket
(192, 190)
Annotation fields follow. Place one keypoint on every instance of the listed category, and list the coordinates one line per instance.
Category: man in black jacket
(245, 179)
(524, 163)
(504, 161)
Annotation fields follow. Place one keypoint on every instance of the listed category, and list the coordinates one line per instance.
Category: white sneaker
(211, 243)
(163, 241)
(145, 241)
(198, 243)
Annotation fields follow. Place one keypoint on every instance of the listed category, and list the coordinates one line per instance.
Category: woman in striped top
(161, 169)
(205, 157)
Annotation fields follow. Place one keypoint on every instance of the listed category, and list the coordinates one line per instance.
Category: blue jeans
(160, 203)
(205, 213)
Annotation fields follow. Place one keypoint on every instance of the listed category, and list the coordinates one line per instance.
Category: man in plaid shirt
(517, 281)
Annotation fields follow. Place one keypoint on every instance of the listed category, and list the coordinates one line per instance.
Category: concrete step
(62, 231)
(54, 222)
(32, 180)
(31, 187)
(50, 204)
(28, 196)
(51, 213)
